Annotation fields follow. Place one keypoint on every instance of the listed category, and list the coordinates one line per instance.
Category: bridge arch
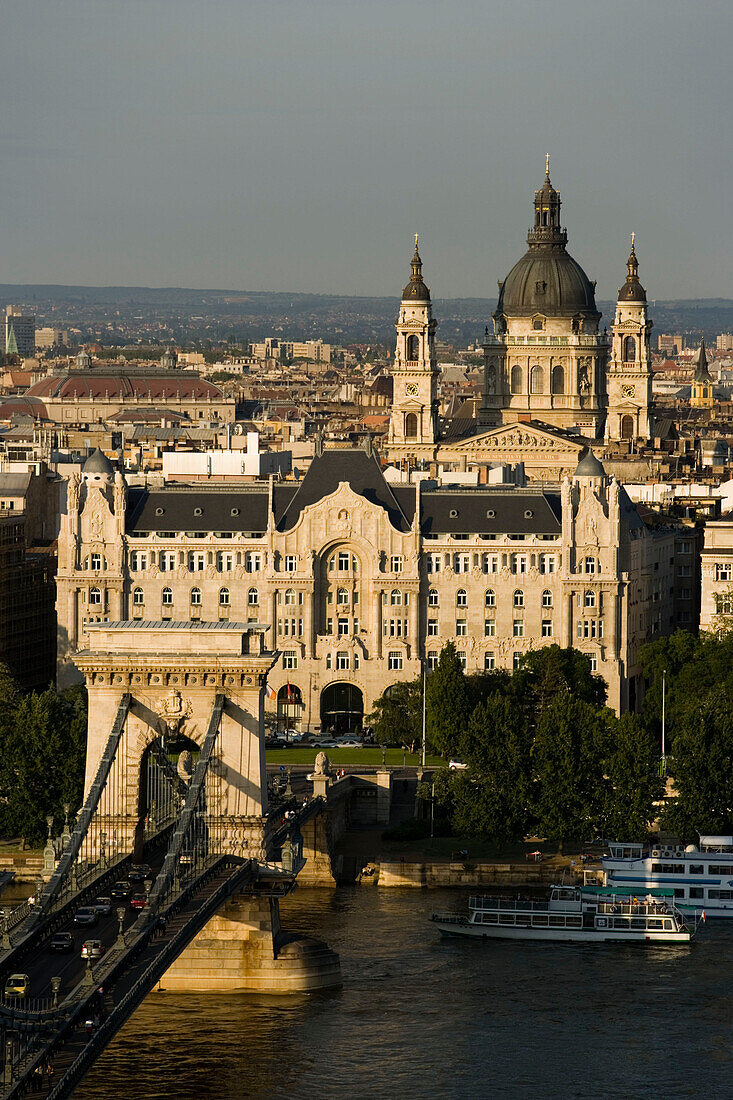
(342, 708)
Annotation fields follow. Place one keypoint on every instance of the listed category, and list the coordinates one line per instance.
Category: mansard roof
(190, 508)
(491, 511)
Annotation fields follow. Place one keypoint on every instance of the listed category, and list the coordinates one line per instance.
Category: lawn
(396, 758)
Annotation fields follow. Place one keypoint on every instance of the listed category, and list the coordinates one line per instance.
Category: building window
(490, 563)
(396, 628)
(518, 563)
(290, 596)
(433, 598)
(167, 561)
(490, 598)
(518, 628)
(547, 598)
(518, 598)
(547, 628)
(461, 563)
(253, 561)
(137, 596)
(723, 571)
(96, 561)
(723, 604)
(342, 627)
(394, 660)
(590, 566)
(516, 379)
(138, 561)
(517, 660)
(489, 661)
(537, 376)
(395, 598)
(461, 655)
(593, 659)
(342, 660)
(396, 563)
(95, 595)
(196, 597)
(684, 570)
(461, 628)
(434, 563)
(329, 660)
(589, 599)
(548, 563)
(224, 597)
(291, 563)
(558, 380)
(290, 659)
(629, 349)
(253, 597)
(461, 598)
(167, 597)
(197, 562)
(684, 548)
(432, 660)
(432, 628)
(489, 628)
(224, 561)
(329, 626)
(589, 628)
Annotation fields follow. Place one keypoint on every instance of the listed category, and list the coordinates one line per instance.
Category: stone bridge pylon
(175, 692)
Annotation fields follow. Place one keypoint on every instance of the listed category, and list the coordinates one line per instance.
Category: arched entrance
(166, 767)
(342, 709)
(627, 427)
(289, 707)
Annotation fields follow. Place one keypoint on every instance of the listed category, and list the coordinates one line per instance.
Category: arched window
(589, 599)
(490, 598)
(253, 597)
(461, 598)
(395, 597)
(413, 347)
(196, 597)
(137, 596)
(433, 598)
(516, 379)
(627, 427)
(95, 595)
(224, 597)
(289, 595)
(536, 379)
(558, 379)
(411, 426)
(547, 598)
(519, 598)
(167, 596)
(629, 349)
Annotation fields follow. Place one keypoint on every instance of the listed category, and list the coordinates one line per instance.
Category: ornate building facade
(359, 582)
(630, 368)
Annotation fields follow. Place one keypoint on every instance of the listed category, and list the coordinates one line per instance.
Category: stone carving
(119, 494)
(323, 764)
(72, 493)
(185, 766)
(96, 525)
(174, 710)
(491, 379)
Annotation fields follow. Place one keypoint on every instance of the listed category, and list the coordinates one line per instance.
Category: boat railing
(523, 904)
(635, 908)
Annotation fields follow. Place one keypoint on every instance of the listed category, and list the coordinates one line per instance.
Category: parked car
(274, 743)
(457, 765)
(139, 872)
(92, 949)
(348, 743)
(17, 985)
(326, 743)
(103, 906)
(86, 915)
(291, 735)
(61, 942)
(121, 890)
(137, 901)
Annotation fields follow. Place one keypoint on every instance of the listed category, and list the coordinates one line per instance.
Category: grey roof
(589, 465)
(494, 511)
(14, 483)
(702, 374)
(176, 624)
(97, 463)
(353, 465)
(547, 281)
(222, 508)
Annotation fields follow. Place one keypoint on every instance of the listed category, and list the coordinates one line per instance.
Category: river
(421, 1016)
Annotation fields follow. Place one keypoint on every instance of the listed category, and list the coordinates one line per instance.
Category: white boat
(701, 877)
(577, 914)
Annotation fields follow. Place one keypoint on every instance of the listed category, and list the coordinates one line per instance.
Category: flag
(290, 694)
(270, 692)
(703, 915)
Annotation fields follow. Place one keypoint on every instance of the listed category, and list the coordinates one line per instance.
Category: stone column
(384, 796)
(567, 620)
(377, 626)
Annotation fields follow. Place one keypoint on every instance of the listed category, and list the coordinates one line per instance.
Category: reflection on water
(422, 1016)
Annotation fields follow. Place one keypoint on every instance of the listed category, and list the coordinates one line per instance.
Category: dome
(632, 290)
(97, 463)
(416, 291)
(589, 465)
(547, 281)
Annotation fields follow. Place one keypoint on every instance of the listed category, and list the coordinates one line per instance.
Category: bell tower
(629, 376)
(413, 421)
(701, 391)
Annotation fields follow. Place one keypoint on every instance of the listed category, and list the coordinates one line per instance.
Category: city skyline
(278, 149)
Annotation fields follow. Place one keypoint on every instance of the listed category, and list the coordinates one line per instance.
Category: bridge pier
(244, 948)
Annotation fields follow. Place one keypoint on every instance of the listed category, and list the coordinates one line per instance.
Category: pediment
(520, 439)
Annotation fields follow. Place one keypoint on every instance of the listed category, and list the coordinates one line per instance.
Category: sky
(297, 145)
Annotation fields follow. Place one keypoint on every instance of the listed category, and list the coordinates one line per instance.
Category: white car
(457, 765)
(348, 743)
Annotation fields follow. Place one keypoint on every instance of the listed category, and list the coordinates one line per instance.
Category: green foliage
(397, 715)
(42, 752)
(702, 767)
(551, 671)
(448, 703)
(636, 783)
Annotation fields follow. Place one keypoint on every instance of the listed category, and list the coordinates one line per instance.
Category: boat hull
(558, 935)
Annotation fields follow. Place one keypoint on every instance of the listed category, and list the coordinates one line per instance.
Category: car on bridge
(139, 872)
(86, 915)
(92, 949)
(121, 890)
(103, 906)
(17, 985)
(61, 942)
(138, 901)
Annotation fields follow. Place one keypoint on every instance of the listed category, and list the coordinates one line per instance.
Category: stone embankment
(400, 873)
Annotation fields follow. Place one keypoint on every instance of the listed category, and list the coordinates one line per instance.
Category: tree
(397, 714)
(492, 797)
(448, 703)
(702, 768)
(545, 673)
(636, 783)
(570, 749)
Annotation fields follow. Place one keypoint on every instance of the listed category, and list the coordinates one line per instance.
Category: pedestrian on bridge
(49, 1075)
(38, 1078)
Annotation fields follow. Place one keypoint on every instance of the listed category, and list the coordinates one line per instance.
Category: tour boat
(578, 914)
(701, 878)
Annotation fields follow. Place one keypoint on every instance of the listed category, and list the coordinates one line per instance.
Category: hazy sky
(299, 144)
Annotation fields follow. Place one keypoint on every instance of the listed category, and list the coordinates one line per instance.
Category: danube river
(419, 1016)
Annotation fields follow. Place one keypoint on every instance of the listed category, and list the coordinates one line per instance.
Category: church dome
(547, 279)
(589, 465)
(97, 463)
(416, 291)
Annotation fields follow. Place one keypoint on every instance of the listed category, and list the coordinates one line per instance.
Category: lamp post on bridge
(102, 849)
(66, 835)
(6, 945)
(120, 941)
(55, 986)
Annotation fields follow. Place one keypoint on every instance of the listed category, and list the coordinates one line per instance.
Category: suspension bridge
(175, 807)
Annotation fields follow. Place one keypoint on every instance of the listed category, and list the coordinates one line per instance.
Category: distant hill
(337, 318)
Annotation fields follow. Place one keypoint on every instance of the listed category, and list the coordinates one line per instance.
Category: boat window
(541, 919)
(638, 922)
(697, 869)
(697, 892)
(652, 923)
(620, 922)
(679, 893)
(668, 925)
(722, 895)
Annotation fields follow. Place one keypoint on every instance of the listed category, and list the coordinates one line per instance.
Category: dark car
(61, 942)
(139, 872)
(274, 743)
(121, 890)
(137, 901)
(103, 906)
(86, 915)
